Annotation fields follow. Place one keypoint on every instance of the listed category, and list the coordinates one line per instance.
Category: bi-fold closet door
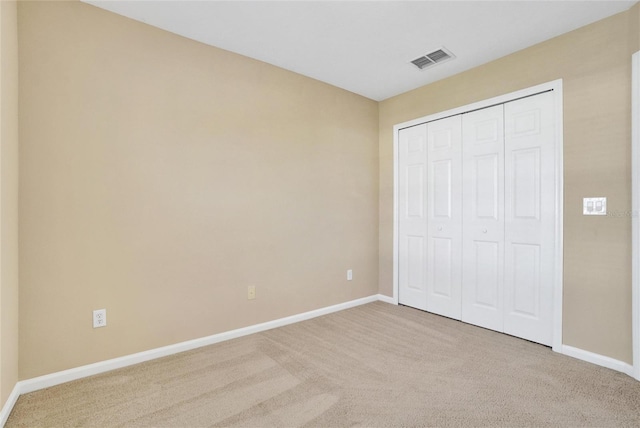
(430, 227)
(477, 217)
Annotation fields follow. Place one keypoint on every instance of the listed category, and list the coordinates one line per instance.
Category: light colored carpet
(374, 365)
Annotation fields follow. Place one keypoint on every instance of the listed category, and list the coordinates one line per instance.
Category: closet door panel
(530, 217)
(444, 208)
(412, 212)
(483, 217)
(487, 274)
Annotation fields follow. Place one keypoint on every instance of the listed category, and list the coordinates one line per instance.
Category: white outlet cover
(99, 318)
(594, 206)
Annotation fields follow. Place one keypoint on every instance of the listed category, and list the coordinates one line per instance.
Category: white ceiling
(366, 47)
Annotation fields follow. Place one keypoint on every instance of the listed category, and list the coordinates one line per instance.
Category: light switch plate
(594, 206)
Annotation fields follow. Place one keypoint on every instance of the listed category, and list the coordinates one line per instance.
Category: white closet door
(529, 217)
(412, 212)
(444, 207)
(483, 217)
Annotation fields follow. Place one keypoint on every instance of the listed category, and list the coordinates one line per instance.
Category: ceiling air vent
(432, 58)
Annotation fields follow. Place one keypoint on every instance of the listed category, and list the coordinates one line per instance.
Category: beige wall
(160, 177)
(594, 63)
(634, 28)
(8, 198)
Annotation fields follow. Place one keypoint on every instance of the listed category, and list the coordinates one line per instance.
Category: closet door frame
(556, 87)
(635, 221)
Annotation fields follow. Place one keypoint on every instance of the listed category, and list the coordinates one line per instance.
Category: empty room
(319, 213)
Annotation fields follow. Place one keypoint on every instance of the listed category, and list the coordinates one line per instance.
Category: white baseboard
(598, 359)
(8, 405)
(386, 299)
(57, 378)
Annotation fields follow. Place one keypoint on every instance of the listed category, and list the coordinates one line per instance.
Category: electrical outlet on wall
(251, 292)
(99, 318)
(349, 275)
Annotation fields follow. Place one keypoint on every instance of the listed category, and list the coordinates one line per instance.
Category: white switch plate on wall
(594, 206)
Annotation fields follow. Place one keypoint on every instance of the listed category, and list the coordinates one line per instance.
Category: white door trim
(635, 206)
(556, 86)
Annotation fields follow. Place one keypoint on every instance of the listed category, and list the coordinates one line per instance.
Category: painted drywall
(8, 198)
(594, 63)
(160, 177)
(634, 28)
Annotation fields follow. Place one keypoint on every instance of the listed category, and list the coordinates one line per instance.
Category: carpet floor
(376, 365)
